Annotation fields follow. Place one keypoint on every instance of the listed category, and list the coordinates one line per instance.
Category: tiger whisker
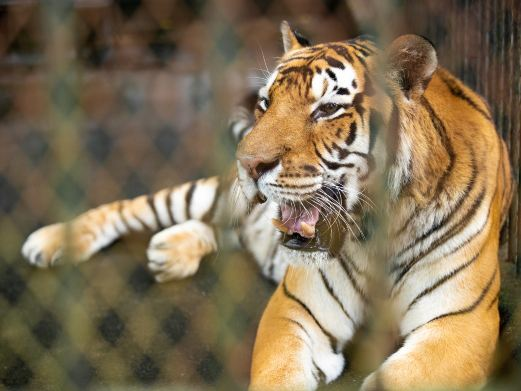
(342, 209)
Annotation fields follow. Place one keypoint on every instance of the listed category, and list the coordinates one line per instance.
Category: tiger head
(327, 124)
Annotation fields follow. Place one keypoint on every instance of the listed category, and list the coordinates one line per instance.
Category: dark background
(105, 99)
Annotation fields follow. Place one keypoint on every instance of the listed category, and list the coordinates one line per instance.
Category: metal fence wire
(106, 99)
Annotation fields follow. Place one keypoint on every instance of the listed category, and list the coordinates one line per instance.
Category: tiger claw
(57, 257)
(37, 259)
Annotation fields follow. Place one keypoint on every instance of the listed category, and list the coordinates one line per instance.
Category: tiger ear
(292, 39)
(412, 60)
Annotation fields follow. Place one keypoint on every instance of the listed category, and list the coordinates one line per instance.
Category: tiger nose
(256, 167)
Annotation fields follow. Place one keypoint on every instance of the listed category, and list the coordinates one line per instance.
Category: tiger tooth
(280, 225)
(308, 231)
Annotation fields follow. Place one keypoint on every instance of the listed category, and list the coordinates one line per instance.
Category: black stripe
(321, 375)
(208, 216)
(300, 326)
(407, 222)
(334, 296)
(442, 134)
(115, 225)
(352, 133)
(354, 266)
(333, 343)
(98, 229)
(361, 60)
(457, 248)
(342, 51)
(357, 43)
(331, 74)
(150, 201)
(464, 310)
(436, 227)
(328, 149)
(494, 300)
(357, 102)
(336, 147)
(271, 268)
(169, 205)
(333, 62)
(122, 216)
(342, 154)
(454, 230)
(351, 278)
(310, 169)
(442, 280)
(118, 231)
(343, 91)
(361, 48)
(141, 221)
(334, 165)
(458, 92)
(303, 69)
(188, 200)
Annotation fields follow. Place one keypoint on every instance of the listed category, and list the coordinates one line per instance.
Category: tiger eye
(329, 108)
(326, 110)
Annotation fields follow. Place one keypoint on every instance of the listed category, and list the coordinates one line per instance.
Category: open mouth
(298, 224)
(306, 227)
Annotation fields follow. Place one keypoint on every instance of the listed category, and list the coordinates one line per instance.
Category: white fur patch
(399, 172)
(161, 204)
(247, 184)
(344, 79)
(264, 91)
(203, 197)
(179, 202)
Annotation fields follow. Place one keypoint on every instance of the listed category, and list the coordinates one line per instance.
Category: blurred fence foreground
(106, 99)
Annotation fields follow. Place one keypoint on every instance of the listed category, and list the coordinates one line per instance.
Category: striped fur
(185, 218)
(325, 124)
(449, 188)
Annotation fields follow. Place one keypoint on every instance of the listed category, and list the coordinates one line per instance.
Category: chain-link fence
(106, 99)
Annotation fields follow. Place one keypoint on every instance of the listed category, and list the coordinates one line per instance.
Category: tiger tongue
(297, 219)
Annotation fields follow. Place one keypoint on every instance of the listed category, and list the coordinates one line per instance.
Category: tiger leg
(97, 228)
(301, 335)
(450, 353)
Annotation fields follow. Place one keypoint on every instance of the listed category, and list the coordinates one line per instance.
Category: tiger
(336, 126)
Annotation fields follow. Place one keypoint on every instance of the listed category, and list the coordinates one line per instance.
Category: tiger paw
(176, 252)
(46, 246)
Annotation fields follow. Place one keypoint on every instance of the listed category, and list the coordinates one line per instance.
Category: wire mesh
(104, 99)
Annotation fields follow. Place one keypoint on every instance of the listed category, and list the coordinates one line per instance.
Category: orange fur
(454, 144)
(449, 175)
